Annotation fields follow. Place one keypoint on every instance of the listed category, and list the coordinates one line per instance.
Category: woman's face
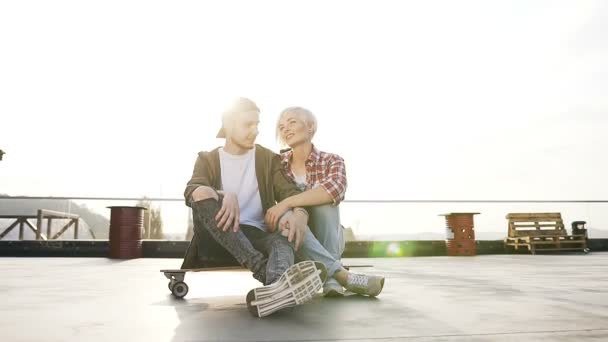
(293, 130)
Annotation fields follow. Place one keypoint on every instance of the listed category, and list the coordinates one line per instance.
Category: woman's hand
(274, 214)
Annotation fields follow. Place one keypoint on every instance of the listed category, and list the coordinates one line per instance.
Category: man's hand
(294, 227)
(229, 214)
(274, 214)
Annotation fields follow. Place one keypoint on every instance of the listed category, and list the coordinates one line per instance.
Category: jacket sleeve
(200, 176)
(283, 186)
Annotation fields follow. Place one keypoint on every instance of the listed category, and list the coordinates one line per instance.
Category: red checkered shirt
(322, 169)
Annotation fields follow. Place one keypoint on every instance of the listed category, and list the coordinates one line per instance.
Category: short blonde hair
(303, 114)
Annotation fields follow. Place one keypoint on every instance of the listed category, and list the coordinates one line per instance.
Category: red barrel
(126, 230)
(460, 231)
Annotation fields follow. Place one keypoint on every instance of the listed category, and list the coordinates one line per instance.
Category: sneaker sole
(333, 294)
(296, 286)
(305, 269)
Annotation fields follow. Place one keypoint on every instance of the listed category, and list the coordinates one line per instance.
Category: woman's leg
(324, 222)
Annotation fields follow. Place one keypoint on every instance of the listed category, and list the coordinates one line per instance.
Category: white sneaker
(296, 286)
(364, 284)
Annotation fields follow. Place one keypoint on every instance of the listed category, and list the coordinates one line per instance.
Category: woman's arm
(310, 197)
(334, 181)
(330, 190)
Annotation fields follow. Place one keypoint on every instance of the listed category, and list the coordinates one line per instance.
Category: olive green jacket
(274, 186)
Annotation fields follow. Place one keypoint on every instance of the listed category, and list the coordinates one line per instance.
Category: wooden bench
(542, 232)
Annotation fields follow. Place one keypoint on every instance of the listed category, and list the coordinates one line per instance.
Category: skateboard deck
(178, 286)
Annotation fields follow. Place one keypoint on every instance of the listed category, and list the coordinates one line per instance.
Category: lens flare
(393, 249)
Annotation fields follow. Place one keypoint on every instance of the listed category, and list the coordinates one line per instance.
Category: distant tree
(153, 222)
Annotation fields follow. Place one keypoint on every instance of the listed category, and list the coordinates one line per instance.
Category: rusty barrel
(126, 231)
(460, 234)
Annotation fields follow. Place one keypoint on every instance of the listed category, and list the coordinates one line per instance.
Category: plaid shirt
(322, 169)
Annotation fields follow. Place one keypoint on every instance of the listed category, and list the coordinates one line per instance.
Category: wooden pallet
(541, 232)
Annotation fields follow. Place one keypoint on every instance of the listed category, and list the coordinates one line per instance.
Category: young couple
(270, 210)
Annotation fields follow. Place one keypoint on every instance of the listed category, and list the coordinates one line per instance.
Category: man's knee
(277, 237)
(203, 193)
(203, 214)
(279, 240)
(206, 206)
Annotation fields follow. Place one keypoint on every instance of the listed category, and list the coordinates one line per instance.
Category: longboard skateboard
(178, 286)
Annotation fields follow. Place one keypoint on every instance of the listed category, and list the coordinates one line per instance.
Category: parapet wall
(177, 249)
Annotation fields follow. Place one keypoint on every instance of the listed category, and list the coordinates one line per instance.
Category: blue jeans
(324, 222)
(324, 240)
(274, 246)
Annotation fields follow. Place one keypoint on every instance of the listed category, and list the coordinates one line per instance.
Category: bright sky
(424, 100)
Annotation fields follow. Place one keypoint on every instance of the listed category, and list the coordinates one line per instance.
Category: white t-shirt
(238, 176)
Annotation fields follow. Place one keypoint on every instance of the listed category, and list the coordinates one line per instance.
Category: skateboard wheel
(171, 286)
(179, 289)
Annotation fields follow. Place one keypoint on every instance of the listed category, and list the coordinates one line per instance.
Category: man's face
(243, 129)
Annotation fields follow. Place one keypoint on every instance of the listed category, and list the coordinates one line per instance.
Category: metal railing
(351, 212)
(181, 199)
(42, 214)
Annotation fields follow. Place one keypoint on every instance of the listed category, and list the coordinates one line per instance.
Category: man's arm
(283, 187)
(200, 188)
(199, 182)
(296, 224)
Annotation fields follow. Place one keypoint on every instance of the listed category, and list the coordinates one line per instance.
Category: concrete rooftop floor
(483, 298)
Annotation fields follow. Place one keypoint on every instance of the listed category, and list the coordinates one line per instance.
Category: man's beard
(245, 146)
